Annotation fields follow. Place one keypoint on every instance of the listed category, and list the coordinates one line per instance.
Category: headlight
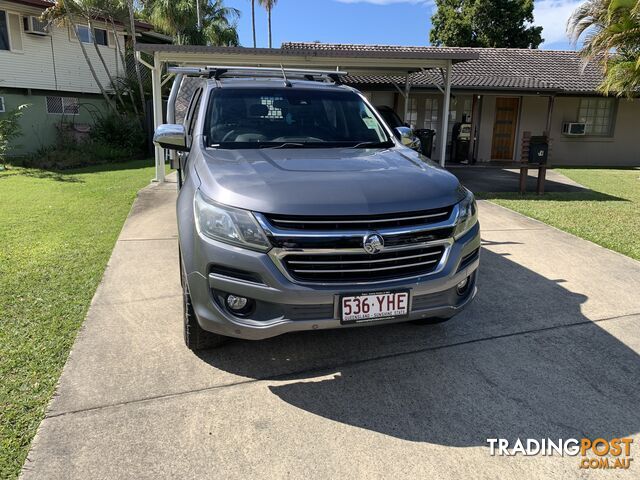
(228, 224)
(467, 215)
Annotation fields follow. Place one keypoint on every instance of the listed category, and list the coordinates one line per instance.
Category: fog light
(461, 288)
(235, 303)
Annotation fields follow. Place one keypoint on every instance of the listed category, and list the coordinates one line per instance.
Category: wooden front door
(504, 128)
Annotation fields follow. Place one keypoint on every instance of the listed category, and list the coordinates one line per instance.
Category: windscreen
(291, 118)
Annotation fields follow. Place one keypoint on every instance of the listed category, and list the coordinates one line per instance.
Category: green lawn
(57, 231)
(609, 215)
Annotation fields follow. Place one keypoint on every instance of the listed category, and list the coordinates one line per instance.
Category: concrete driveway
(550, 349)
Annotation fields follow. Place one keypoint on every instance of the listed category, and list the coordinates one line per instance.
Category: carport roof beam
(409, 60)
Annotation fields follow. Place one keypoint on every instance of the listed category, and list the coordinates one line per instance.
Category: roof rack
(218, 72)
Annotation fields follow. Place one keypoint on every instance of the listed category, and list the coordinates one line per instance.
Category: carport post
(156, 79)
(445, 114)
(407, 90)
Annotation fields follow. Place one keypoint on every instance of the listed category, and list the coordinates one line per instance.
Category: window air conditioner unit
(35, 26)
(573, 128)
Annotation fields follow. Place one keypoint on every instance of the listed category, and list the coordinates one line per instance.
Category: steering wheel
(232, 134)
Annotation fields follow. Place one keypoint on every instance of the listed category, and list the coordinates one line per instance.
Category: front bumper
(284, 306)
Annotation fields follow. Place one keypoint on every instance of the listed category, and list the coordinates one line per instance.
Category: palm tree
(611, 36)
(268, 5)
(178, 18)
(253, 22)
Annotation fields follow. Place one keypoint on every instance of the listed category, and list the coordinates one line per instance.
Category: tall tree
(253, 22)
(610, 30)
(268, 5)
(485, 23)
(179, 19)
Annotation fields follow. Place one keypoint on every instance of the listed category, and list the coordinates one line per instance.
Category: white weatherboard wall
(55, 61)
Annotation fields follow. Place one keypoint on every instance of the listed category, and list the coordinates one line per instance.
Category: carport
(379, 63)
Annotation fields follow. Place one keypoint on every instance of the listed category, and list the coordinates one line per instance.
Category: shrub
(9, 130)
(76, 155)
(123, 131)
(113, 138)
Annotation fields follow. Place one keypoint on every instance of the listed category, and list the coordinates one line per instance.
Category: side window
(101, 36)
(4, 31)
(192, 114)
(597, 114)
(10, 32)
(83, 34)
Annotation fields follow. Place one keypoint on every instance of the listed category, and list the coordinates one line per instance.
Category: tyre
(195, 337)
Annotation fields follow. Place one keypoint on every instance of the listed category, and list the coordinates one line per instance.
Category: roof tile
(497, 68)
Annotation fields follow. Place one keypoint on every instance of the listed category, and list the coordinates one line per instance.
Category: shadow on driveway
(505, 183)
(522, 362)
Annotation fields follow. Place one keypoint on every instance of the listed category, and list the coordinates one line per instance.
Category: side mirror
(404, 134)
(407, 137)
(171, 136)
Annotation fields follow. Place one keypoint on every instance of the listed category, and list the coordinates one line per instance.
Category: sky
(389, 22)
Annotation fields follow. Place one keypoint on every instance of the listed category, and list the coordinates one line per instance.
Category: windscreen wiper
(283, 145)
(372, 145)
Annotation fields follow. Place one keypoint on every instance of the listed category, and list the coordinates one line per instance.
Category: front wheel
(195, 337)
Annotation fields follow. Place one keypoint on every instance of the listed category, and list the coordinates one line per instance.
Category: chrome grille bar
(279, 233)
(347, 222)
(365, 270)
(349, 262)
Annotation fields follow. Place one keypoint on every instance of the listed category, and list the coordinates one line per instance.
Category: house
(504, 93)
(43, 66)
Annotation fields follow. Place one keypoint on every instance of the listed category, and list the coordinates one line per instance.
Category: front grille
(350, 222)
(362, 267)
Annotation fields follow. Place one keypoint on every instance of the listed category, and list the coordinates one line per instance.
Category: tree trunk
(253, 21)
(119, 52)
(92, 70)
(269, 12)
(134, 42)
(104, 64)
(123, 60)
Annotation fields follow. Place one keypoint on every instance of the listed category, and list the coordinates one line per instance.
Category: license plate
(370, 307)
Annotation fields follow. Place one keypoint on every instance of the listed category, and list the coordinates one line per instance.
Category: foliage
(57, 233)
(9, 129)
(113, 138)
(120, 131)
(75, 155)
(178, 18)
(610, 30)
(485, 23)
(607, 214)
